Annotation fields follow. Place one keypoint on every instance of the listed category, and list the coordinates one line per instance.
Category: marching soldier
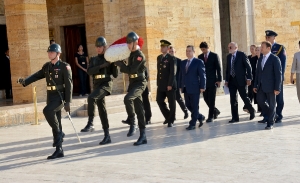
(58, 76)
(278, 50)
(146, 103)
(137, 84)
(166, 83)
(100, 70)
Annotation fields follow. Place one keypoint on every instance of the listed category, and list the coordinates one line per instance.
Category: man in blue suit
(267, 82)
(192, 82)
(278, 50)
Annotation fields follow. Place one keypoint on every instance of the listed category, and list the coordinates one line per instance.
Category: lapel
(266, 62)
(190, 65)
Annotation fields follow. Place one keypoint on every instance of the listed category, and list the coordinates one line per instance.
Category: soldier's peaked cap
(164, 43)
(270, 33)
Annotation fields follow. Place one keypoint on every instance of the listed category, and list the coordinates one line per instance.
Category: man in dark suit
(278, 50)
(179, 99)
(166, 83)
(267, 82)
(238, 77)
(7, 75)
(213, 79)
(192, 82)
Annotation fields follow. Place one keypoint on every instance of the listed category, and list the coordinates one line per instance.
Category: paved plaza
(217, 152)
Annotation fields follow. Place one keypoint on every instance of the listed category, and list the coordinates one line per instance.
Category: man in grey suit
(267, 82)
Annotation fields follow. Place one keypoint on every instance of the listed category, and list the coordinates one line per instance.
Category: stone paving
(217, 152)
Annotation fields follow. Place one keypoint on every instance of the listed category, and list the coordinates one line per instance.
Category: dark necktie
(187, 65)
(232, 73)
(205, 57)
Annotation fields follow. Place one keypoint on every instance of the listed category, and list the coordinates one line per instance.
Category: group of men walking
(191, 77)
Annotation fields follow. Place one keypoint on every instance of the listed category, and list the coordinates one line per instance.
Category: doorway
(74, 36)
(5, 75)
(225, 31)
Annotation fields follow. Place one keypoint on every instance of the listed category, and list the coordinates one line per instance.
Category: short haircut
(253, 46)
(203, 45)
(52, 40)
(267, 43)
(234, 43)
(191, 46)
(171, 47)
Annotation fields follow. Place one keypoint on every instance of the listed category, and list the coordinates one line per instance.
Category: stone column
(242, 23)
(28, 40)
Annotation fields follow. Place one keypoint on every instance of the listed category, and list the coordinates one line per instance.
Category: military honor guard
(179, 99)
(166, 83)
(146, 103)
(58, 76)
(101, 71)
(278, 50)
(135, 68)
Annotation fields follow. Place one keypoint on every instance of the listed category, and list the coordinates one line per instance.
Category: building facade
(30, 24)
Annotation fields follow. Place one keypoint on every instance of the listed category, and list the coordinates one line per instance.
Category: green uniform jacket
(62, 75)
(166, 72)
(136, 65)
(96, 67)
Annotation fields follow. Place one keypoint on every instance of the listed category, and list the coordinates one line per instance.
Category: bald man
(238, 78)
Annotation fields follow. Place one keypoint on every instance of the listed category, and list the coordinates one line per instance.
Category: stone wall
(278, 15)
(182, 24)
(27, 31)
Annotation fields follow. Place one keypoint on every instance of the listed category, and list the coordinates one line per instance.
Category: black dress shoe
(88, 128)
(190, 128)
(209, 120)
(233, 121)
(59, 153)
(170, 124)
(269, 127)
(252, 115)
(216, 114)
(186, 114)
(262, 121)
(165, 122)
(278, 121)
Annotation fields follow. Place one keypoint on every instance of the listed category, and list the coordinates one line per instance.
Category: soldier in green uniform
(100, 70)
(58, 76)
(166, 83)
(137, 84)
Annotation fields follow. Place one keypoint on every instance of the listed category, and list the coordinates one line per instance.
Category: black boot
(59, 153)
(186, 114)
(132, 128)
(58, 139)
(89, 127)
(127, 121)
(54, 136)
(142, 139)
(106, 139)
